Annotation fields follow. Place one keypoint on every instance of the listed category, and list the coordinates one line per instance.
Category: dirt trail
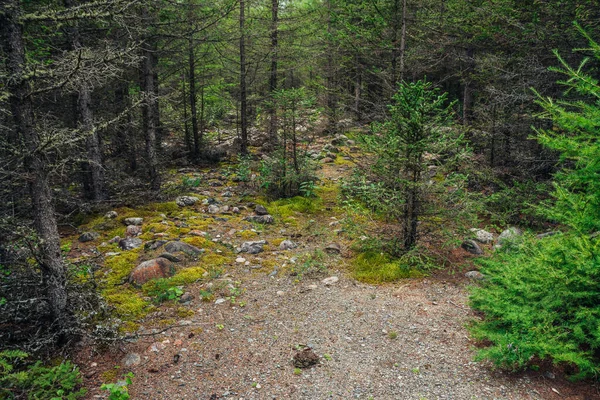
(399, 341)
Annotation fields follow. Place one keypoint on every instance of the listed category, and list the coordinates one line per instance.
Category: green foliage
(36, 381)
(162, 290)
(541, 300)
(516, 203)
(188, 182)
(118, 391)
(289, 171)
(243, 171)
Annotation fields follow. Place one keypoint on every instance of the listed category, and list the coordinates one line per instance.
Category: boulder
(155, 244)
(509, 234)
(133, 230)
(88, 236)
(482, 236)
(133, 221)
(261, 210)
(111, 215)
(151, 269)
(130, 243)
(287, 245)
(333, 248)
(170, 257)
(472, 247)
(183, 201)
(182, 247)
(213, 209)
(261, 219)
(254, 247)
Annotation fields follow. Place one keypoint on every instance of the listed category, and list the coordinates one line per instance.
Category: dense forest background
(99, 99)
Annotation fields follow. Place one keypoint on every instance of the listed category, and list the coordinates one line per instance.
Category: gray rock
(133, 221)
(131, 359)
(472, 247)
(327, 160)
(183, 201)
(186, 297)
(509, 234)
(330, 281)
(261, 210)
(130, 243)
(227, 194)
(235, 210)
(133, 230)
(261, 219)
(155, 244)
(254, 247)
(220, 301)
(482, 236)
(339, 140)
(182, 247)
(287, 245)
(213, 209)
(333, 248)
(170, 257)
(475, 275)
(88, 236)
(111, 215)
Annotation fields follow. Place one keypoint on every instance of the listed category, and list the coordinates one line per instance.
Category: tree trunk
(468, 90)
(148, 117)
(402, 41)
(193, 106)
(186, 129)
(243, 93)
(273, 73)
(35, 163)
(93, 167)
(331, 90)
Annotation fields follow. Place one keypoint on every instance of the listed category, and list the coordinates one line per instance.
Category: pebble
(220, 301)
(330, 281)
(240, 260)
(280, 293)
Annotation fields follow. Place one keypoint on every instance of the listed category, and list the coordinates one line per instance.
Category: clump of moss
(276, 242)
(247, 234)
(129, 327)
(183, 312)
(199, 241)
(188, 275)
(374, 267)
(289, 207)
(212, 260)
(339, 160)
(127, 303)
(120, 266)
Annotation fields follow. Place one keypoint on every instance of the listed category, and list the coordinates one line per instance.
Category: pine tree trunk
(243, 89)
(193, 105)
(148, 117)
(35, 163)
(273, 73)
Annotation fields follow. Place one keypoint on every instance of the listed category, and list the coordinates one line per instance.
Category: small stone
(474, 275)
(509, 234)
(330, 281)
(333, 248)
(88, 236)
(287, 245)
(213, 209)
(131, 360)
(186, 297)
(472, 247)
(305, 358)
(225, 209)
(261, 219)
(155, 244)
(254, 247)
(327, 160)
(482, 236)
(280, 293)
(133, 230)
(220, 301)
(182, 247)
(183, 201)
(240, 260)
(111, 215)
(130, 243)
(197, 233)
(261, 210)
(312, 287)
(227, 194)
(156, 347)
(235, 210)
(133, 221)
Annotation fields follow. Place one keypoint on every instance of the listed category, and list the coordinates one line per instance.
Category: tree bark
(148, 117)
(243, 89)
(193, 105)
(273, 72)
(35, 163)
(331, 89)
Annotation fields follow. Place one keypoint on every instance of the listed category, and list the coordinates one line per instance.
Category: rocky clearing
(244, 318)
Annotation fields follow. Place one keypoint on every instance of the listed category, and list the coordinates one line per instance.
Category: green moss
(120, 266)
(374, 267)
(199, 241)
(286, 208)
(127, 303)
(188, 275)
(183, 312)
(247, 234)
(276, 242)
(212, 260)
(339, 160)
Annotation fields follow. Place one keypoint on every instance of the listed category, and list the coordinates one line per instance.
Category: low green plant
(162, 290)
(119, 390)
(36, 381)
(243, 170)
(188, 182)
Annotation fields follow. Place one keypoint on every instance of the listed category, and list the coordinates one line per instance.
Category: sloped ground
(236, 339)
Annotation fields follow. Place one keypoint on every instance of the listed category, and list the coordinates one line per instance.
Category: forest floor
(246, 321)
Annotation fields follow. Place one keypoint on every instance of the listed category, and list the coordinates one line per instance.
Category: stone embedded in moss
(151, 269)
(182, 247)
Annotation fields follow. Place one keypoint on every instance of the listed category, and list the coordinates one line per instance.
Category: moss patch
(212, 260)
(199, 241)
(120, 266)
(127, 303)
(373, 267)
(188, 275)
(247, 234)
